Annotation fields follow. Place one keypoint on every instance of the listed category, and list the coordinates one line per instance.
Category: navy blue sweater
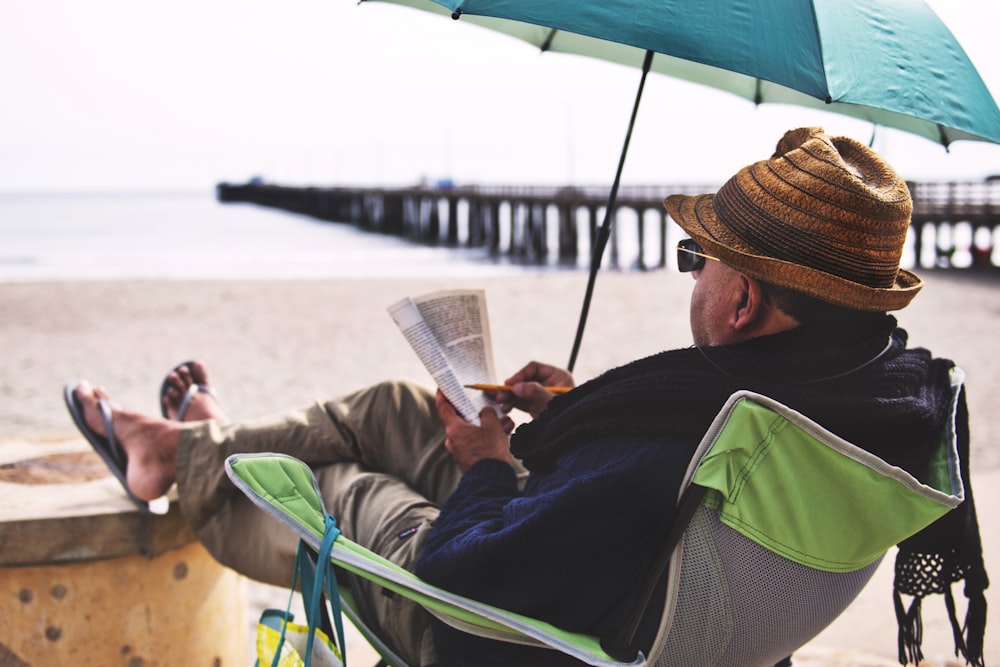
(575, 541)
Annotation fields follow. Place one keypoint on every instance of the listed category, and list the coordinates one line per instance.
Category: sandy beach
(273, 345)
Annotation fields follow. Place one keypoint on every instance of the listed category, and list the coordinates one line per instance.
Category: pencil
(506, 387)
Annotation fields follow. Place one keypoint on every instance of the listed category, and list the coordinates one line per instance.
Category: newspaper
(450, 332)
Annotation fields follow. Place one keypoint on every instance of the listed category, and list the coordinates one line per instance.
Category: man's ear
(751, 305)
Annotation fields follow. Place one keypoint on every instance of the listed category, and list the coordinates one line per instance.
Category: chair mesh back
(738, 604)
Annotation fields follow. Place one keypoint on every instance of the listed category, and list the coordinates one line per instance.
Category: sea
(189, 235)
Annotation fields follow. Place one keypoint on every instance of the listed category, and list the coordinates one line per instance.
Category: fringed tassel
(975, 627)
(956, 629)
(911, 630)
(968, 636)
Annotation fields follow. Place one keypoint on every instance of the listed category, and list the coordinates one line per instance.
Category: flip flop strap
(189, 396)
(113, 447)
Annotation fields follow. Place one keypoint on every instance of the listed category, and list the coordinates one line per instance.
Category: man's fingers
(444, 408)
(488, 420)
(495, 425)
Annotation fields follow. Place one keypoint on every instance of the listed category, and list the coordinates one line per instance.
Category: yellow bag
(293, 648)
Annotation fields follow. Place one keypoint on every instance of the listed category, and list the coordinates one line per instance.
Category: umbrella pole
(604, 233)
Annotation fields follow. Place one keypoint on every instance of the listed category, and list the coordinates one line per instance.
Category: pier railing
(954, 225)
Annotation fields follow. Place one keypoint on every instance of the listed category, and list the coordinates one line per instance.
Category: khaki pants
(383, 471)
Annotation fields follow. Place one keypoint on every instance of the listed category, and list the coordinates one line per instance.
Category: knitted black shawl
(865, 386)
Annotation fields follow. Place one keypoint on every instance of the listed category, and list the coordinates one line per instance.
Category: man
(796, 263)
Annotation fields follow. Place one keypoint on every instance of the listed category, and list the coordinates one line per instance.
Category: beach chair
(780, 525)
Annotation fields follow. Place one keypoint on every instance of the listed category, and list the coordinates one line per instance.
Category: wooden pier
(955, 225)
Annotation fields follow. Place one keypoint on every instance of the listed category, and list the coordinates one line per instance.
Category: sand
(273, 345)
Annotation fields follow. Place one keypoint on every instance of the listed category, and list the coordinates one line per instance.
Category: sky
(120, 95)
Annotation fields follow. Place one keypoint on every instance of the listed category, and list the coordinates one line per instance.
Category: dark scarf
(945, 552)
(889, 400)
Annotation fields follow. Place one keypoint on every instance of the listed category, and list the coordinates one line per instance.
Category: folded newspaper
(450, 332)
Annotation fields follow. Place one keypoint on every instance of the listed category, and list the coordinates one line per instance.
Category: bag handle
(317, 579)
(326, 582)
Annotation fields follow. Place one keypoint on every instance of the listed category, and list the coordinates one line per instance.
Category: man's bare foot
(150, 443)
(188, 395)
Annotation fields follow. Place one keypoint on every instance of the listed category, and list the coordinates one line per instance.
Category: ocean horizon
(190, 235)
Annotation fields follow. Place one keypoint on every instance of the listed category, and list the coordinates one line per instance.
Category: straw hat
(825, 216)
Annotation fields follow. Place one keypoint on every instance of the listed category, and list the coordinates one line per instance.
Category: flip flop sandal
(192, 391)
(106, 446)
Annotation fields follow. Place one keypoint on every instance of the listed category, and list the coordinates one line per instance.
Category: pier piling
(954, 225)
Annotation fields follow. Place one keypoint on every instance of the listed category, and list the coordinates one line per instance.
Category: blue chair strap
(314, 586)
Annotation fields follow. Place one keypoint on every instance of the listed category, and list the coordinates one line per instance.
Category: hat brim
(696, 215)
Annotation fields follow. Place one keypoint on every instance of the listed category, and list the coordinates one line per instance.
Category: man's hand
(528, 387)
(468, 443)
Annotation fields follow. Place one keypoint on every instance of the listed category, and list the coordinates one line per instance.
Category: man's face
(714, 301)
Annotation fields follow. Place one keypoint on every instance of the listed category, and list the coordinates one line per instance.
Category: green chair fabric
(770, 469)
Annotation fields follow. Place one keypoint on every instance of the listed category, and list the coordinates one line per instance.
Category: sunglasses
(690, 256)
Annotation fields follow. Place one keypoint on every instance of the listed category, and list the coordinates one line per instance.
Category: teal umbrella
(890, 62)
